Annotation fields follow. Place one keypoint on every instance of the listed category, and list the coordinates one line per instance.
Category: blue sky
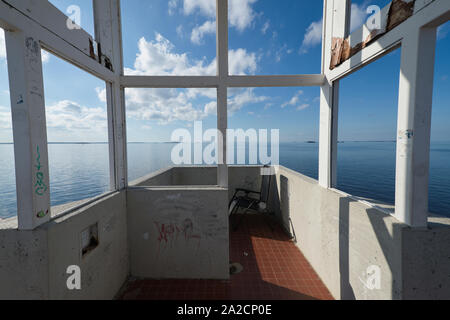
(163, 37)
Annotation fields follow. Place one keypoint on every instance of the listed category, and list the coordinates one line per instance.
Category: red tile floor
(273, 269)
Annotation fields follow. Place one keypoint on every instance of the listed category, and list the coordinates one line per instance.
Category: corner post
(222, 90)
(336, 24)
(414, 126)
(108, 35)
(29, 129)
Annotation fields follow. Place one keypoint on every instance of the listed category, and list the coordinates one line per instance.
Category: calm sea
(366, 169)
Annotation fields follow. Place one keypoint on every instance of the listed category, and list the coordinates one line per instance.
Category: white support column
(29, 129)
(108, 35)
(414, 126)
(222, 91)
(336, 24)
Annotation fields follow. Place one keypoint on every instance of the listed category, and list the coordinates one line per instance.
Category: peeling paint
(399, 11)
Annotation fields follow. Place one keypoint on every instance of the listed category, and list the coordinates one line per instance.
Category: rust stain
(341, 51)
(91, 49)
(99, 50)
(98, 57)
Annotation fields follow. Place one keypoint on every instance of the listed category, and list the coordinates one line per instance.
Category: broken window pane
(293, 112)
(77, 131)
(368, 104)
(8, 202)
(439, 189)
(159, 118)
(275, 37)
(174, 37)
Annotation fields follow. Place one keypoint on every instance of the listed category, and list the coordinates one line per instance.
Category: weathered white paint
(222, 91)
(108, 34)
(336, 24)
(414, 126)
(29, 128)
(426, 13)
(71, 46)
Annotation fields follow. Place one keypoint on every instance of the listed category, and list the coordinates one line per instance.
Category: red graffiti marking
(168, 231)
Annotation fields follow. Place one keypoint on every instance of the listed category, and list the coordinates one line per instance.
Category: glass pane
(77, 130)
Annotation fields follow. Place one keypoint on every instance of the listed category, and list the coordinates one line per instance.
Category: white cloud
(358, 16)
(173, 4)
(163, 106)
(198, 32)
(313, 36)
(302, 107)
(206, 7)
(180, 31)
(101, 94)
(70, 116)
(45, 56)
(294, 100)
(241, 62)
(5, 118)
(281, 51)
(240, 14)
(442, 32)
(158, 57)
(265, 27)
(242, 97)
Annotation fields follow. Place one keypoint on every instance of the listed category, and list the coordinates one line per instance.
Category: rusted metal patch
(341, 50)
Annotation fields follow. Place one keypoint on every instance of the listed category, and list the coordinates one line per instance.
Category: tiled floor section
(274, 269)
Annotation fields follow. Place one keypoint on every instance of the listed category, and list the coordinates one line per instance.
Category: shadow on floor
(273, 269)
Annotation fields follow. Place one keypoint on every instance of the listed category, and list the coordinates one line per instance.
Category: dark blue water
(366, 169)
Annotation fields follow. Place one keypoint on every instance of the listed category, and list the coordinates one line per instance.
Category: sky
(177, 37)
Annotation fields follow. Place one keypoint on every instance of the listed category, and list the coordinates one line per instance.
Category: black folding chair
(251, 200)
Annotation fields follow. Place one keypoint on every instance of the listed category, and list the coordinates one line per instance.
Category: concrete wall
(23, 265)
(178, 233)
(182, 232)
(342, 237)
(105, 269)
(33, 264)
(426, 261)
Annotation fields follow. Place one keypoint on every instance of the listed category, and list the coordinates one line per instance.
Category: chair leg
(242, 218)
